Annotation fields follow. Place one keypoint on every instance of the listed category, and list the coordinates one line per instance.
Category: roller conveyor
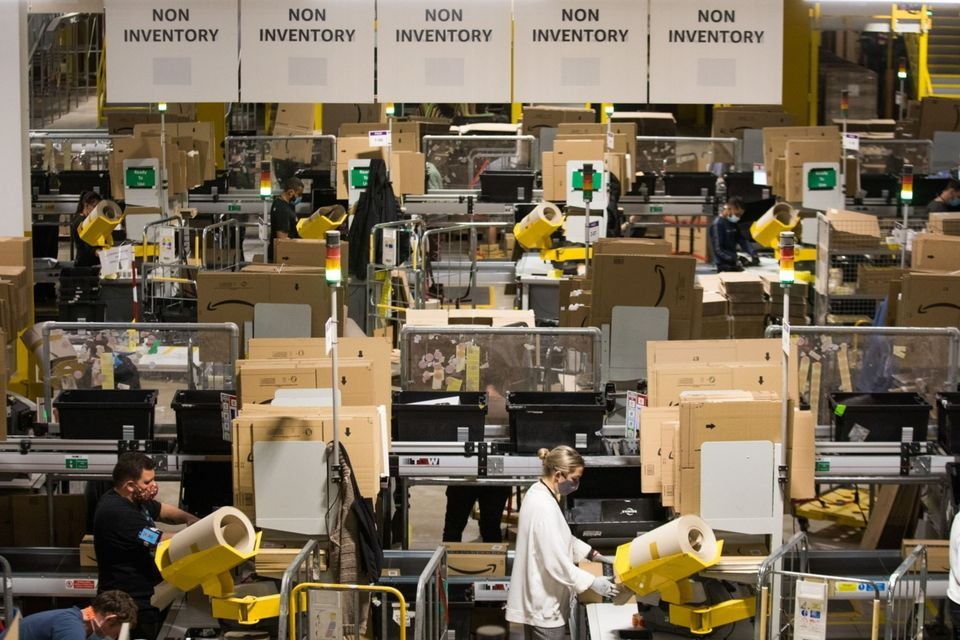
(50, 572)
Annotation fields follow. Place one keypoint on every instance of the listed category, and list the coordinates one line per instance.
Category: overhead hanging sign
(575, 51)
(171, 50)
(443, 50)
(307, 51)
(716, 51)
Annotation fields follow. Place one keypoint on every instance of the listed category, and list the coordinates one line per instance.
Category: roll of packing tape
(107, 209)
(226, 526)
(538, 225)
(686, 534)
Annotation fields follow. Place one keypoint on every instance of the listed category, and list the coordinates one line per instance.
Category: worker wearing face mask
(125, 536)
(948, 200)
(102, 620)
(545, 566)
(283, 213)
(726, 235)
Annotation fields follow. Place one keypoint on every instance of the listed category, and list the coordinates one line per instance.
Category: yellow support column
(215, 112)
(516, 112)
(800, 50)
(318, 117)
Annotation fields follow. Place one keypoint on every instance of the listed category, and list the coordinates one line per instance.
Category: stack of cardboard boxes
(588, 143)
(191, 152)
(364, 385)
(536, 118)
(716, 321)
(799, 309)
(935, 252)
(716, 392)
(947, 224)
(405, 162)
(786, 149)
(731, 122)
(747, 303)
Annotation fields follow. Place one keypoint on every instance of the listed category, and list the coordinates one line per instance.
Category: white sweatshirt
(953, 585)
(545, 565)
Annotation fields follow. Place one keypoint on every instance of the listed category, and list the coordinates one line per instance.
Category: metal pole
(335, 374)
(163, 163)
(903, 247)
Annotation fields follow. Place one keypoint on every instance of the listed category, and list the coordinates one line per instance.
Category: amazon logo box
(476, 559)
(929, 300)
(647, 281)
(224, 296)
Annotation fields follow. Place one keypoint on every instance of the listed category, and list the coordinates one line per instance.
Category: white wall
(14, 120)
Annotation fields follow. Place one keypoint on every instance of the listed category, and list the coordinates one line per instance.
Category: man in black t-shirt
(283, 213)
(125, 537)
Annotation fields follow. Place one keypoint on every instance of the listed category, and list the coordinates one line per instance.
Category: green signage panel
(822, 179)
(359, 177)
(141, 178)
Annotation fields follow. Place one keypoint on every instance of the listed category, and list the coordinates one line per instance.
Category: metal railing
(295, 608)
(393, 285)
(296, 569)
(431, 616)
(6, 574)
(450, 257)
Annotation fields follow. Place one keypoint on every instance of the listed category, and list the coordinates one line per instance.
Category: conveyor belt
(50, 572)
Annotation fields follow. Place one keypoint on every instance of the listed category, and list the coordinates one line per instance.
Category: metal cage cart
(394, 274)
(794, 603)
(848, 248)
(168, 283)
(452, 264)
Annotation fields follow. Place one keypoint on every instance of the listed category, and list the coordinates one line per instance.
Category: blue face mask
(954, 202)
(733, 219)
(296, 201)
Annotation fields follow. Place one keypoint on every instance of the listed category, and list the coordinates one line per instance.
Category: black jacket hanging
(376, 205)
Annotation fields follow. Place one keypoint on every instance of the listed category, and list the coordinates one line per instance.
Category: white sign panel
(306, 51)
(716, 51)
(580, 50)
(171, 50)
(443, 51)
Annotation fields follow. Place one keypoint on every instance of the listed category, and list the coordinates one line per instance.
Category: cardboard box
(231, 296)
(668, 383)
(577, 149)
(652, 421)
(938, 114)
(18, 252)
(645, 281)
(365, 443)
(775, 139)
(258, 380)
(353, 148)
(730, 122)
(932, 252)
(720, 420)
(632, 247)
(88, 554)
(548, 176)
(938, 553)
(139, 148)
(648, 123)
(742, 326)
(802, 456)
(716, 328)
(22, 296)
(360, 129)
(408, 173)
(853, 230)
(31, 521)
(875, 281)
(929, 300)
(536, 118)
(703, 352)
(197, 137)
(669, 462)
(296, 115)
(476, 559)
(307, 348)
(944, 223)
(799, 152)
(407, 135)
(301, 252)
(483, 317)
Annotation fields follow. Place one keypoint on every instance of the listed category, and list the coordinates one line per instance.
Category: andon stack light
(332, 265)
(844, 104)
(902, 69)
(787, 271)
(266, 186)
(906, 184)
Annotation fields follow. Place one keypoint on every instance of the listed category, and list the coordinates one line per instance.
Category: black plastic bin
(608, 522)
(948, 421)
(546, 419)
(438, 422)
(882, 415)
(101, 414)
(506, 186)
(199, 421)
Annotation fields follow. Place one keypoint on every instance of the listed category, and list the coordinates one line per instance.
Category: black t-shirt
(124, 561)
(283, 217)
(85, 255)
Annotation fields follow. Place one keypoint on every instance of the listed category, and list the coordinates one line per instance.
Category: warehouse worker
(283, 213)
(125, 536)
(953, 585)
(726, 235)
(84, 254)
(948, 200)
(545, 567)
(101, 620)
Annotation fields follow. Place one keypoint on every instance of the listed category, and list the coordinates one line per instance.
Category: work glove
(604, 587)
(743, 261)
(755, 261)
